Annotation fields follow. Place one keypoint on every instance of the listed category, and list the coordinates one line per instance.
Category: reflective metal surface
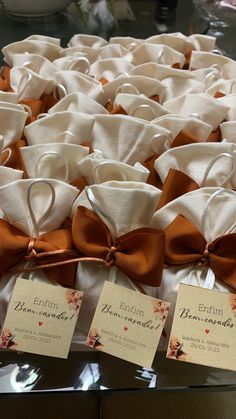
(97, 371)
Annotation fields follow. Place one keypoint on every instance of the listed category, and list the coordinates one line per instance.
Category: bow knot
(31, 252)
(204, 259)
(110, 259)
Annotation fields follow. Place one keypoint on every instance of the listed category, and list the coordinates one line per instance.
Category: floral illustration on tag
(74, 299)
(232, 302)
(7, 340)
(161, 308)
(175, 349)
(93, 339)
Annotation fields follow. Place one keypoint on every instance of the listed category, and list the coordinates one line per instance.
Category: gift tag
(41, 318)
(127, 324)
(203, 330)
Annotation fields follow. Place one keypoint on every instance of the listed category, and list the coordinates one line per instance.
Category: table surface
(92, 370)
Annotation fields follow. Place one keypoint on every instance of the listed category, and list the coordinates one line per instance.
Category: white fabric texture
(49, 50)
(205, 106)
(73, 81)
(86, 52)
(201, 59)
(176, 40)
(133, 105)
(157, 53)
(78, 102)
(230, 101)
(178, 86)
(26, 83)
(110, 68)
(128, 140)
(12, 123)
(228, 131)
(144, 85)
(96, 169)
(8, 97)
(67, 127)
(126, 41)
(224, 86)
(56, 160)
(160, 71)
(139, 201)
(194, 159)
(220, 217)
(202, 42)
(176, 123)
(92, 41)
(115, 51)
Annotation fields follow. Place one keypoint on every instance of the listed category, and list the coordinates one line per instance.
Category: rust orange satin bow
(185, 244)
(139, 253)
(50, 248)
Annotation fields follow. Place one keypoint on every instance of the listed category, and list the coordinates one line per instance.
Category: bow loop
(139, 253)
(185, 244)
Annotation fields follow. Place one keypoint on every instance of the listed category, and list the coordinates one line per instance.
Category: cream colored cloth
(176, 123)
(178, 86)
(201, 59)
(73, 81)
(160, 71)
(19, 216)
(139, 201)
(53, 160)
(203, 105)
(202, 42)
(96, 169)
(7, 174)
(110, 68)
(12, 122)
(8, 97)
(92, 41)
(126, 41)
(176, 41)
(66, 127)
(115, 51)
(44, 38)
(49, 50)
(128, 140)
(78, 102)
(220, 218)
(75, 63)
(157, 53)
(228, 131)
(87, 52)
(139, 106)
(26, 83)
(224, 86)
(195, 159)
(139, 84)
(39, 65)
(230, 101)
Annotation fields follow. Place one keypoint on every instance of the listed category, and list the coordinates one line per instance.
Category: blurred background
(63, 18)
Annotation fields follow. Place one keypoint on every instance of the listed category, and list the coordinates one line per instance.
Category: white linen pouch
(208, 164)
(128, 140)
(67, 127)
(139, 201)
(96, 169)
(226, 87)
(175, 40)
(9, 97)
(202, 105)
(92, 41)
(49, 50)
(135, 85)
(73, 81)
(81, 52)
(157, 53)
(139, 106)
(12, 122)
(126, 41)
(202, 42)
(115, 51)
(28, 84)
(160, 71)
(110, 68)
(55, 160)
(228, 131)
(20, 216)
(178, 86)
(212, 221)
(7, 174)
(176, 123)
(225, 65)
(230, 101)
(78, 102)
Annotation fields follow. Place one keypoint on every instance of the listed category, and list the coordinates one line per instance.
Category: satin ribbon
(48, 250)
(185, 244)
(5, 80)
(139, 253)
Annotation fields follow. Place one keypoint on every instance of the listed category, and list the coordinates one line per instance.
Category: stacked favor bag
(117, 164)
